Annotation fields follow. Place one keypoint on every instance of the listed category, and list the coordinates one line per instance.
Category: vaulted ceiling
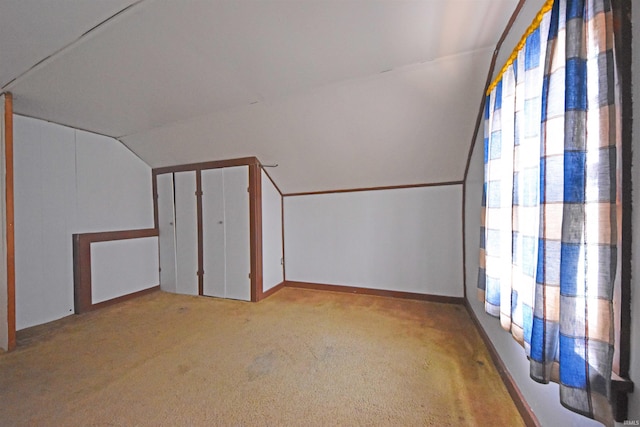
(339, 93)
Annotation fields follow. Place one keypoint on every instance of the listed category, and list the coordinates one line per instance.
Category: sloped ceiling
(340, 94)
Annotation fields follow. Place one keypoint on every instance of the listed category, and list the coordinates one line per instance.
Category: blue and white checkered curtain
(548, 241)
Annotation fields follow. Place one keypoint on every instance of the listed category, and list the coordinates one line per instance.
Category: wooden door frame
(255, 213)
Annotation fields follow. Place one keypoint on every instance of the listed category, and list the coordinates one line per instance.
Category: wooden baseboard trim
(125, 297)
(273, 290)
(376, 292)
(526, 413)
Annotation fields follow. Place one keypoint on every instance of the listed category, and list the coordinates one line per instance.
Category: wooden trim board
(200, 232)
(476, 129)
(284, 264)
(273, 290)
(525, 410)
(9, 222)
(82, 267)
(255, 230)
(492, 67)
(391, 187)
(376, 292)
(216, 164)
(271, 179)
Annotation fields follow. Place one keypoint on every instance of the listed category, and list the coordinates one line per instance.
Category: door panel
(236, 212)
(166, 229)
(186, 233)
(213, 234)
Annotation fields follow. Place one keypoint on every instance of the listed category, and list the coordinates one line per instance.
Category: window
(551, 200)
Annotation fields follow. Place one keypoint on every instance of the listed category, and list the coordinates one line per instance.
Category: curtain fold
(548, 237)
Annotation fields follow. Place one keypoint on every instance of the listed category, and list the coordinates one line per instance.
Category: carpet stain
(261, 365)
(298, 358)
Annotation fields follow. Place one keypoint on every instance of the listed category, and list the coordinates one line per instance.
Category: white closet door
(167, 234)
(236, 212)
(213, 234)
(186, 233)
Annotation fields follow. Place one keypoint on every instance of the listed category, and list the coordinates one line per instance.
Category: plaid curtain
(548, 241)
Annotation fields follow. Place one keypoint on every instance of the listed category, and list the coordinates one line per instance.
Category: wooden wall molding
(264, 168)
(255, 230)
(216, 164)
(391, 187)
(375, 292)
(200, 233)
(284, 263)
(82, 267)
(273, 290)
(476, 129)
(525, 410)
(9, 221)
(621, 384)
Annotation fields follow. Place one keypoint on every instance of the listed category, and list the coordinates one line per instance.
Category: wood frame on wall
(9, 221)
(255, 213)
(82, 267)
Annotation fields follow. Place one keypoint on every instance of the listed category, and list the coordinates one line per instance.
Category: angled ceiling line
(12, 82)
(84, 130)
(28, 116)
(265, 101)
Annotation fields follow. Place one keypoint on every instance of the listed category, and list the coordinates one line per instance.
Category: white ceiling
(339, 93)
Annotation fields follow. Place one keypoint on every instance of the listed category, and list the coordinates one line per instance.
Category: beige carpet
(300, 357)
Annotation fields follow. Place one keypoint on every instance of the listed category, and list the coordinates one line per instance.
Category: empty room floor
(300, 357)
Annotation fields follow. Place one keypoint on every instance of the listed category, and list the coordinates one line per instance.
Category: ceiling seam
(12, 82)
(132, 152)
(379, 74)
(88, 131)
(63, 124)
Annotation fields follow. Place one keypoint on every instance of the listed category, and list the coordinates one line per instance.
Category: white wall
(113, 185)
(272, 251)
(123, 266)
(403, 240)
(67, 181)
(543, 399)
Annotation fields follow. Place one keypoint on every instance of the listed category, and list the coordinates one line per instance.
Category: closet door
(186, 233)
(213, 232)
(237, 249)
(167, 234)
